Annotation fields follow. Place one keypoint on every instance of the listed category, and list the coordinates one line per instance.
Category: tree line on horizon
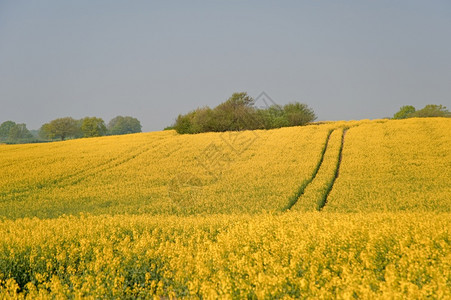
(239, 112)
(68, 127)
(430, 110)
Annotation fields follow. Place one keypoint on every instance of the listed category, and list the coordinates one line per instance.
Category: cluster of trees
(430, 110)
(240, 113)
(68, 127)
(64, 128)
(10, 132)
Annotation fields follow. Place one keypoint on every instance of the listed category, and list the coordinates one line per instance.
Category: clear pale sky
(156, 59)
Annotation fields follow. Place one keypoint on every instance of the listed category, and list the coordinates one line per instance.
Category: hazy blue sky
(156, 59)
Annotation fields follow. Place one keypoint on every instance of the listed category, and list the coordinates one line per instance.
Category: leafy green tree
(237, 113)
(93, 127)
(78, 133)
(273, 117)
(404, 112)
(60, 128)
(184, 123)
(5, 128)
(202, 120)
(19, 133)
(432, 110)
(45, 132)
(298, 114)
(124, 125)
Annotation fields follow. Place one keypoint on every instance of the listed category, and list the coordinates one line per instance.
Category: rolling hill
(383, 166)
(338, 209)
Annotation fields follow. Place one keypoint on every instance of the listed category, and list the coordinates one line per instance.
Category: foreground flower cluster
(291, 255)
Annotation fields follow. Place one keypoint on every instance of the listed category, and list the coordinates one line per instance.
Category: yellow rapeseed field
(358, 209)
(160, 172)
(315, 192)
(400, 165)
(290, 255)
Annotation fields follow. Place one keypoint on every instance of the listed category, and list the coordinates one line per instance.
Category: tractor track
(294, 199)
(323, 201)
(322, 197)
